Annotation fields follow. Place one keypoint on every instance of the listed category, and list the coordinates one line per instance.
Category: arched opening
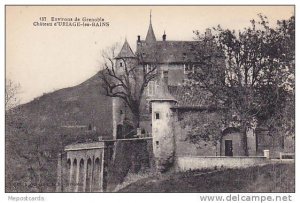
(97, 176)
(66, 176)
(88, 176)
(81, 176)
(119, 131)
(232, 143)
(73, 175)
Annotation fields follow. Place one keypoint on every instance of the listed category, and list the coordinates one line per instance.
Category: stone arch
(231, 142)
(97, 175)
(67, 173)
(88, 175)
(81, 176)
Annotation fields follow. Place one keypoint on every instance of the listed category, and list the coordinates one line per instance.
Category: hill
(37, 131)
(80, 106)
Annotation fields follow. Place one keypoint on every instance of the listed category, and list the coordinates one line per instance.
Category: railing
(284, 155)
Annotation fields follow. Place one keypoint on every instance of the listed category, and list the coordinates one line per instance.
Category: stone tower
(125, 58)
(162, 127)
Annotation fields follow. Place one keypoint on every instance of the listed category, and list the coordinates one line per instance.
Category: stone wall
(185, 163)
(131, 155)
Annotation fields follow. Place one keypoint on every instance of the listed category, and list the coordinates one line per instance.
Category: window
(188, 68)
(157, 116)
(121, 64)
(151, 88)
(165, 73)
(150, 68)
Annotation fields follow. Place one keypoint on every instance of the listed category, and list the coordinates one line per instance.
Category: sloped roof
(174, 51)
(162, 92)
(188, 96)
(126, 51)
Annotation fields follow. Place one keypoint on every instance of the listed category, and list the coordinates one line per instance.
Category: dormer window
(188, 68)
(152, 88)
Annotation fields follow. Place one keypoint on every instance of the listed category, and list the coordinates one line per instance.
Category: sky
(43, 59)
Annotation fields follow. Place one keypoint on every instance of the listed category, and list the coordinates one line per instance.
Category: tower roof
(162, 92)
(150, 34)
(126, 51)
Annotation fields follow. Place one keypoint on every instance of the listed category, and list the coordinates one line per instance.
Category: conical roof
(126, 51)
(150, 34)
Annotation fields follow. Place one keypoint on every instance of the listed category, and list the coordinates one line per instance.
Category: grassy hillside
(37, 131)
(269, 178)
(79, 105)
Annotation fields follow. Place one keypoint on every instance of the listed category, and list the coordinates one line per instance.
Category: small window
(121, 64)
(165, 73)
(152, 68)
(157, 116)
(188, 68)
(121, 112)
(157, 142)
(151, 88)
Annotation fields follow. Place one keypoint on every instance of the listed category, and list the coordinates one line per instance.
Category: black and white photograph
(150, 99)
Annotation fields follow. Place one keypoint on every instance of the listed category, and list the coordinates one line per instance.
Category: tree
(127, 82)
(11, 91)
(257, 77)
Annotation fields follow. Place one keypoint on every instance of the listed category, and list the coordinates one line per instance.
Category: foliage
(210, 131)
(256, 80)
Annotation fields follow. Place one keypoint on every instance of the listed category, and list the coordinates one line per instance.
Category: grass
(132, 178)
(277, 177)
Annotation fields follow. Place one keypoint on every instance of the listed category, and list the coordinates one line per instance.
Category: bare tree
(11, 91)
(127, 82)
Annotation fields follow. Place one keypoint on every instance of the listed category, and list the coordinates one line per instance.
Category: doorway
(228, 148)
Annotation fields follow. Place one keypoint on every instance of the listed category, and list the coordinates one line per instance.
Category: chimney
(164, 37)
(139, 38)
(208, 34)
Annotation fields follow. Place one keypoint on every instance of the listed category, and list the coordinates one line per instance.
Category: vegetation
(127, 82)
(268, 178)
(35, 133)
(256, 84)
